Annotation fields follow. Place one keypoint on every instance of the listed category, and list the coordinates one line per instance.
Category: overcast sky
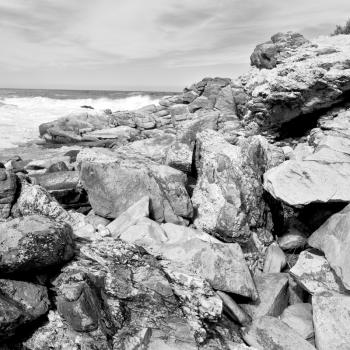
(145, 44)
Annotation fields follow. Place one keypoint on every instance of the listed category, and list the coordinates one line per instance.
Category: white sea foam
(21, 116)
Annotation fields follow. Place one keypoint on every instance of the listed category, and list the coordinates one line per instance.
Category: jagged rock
(299, 317)
(275, 259)
(70, 129)
(20, 304)
(130, 217)
(269, 54)
(334, 240)
(271, 333)
(314, 274)
(115, 295)
(331, 316)
(115, 180)
(229, 196)
(33, 243)
(273, 295)
(8, 186)
(223, 265)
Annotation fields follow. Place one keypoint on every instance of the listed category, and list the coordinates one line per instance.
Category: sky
(145, 44)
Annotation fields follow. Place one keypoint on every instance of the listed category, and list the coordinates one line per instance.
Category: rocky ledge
(216, 219)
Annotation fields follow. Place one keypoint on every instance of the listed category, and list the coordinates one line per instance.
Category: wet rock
(331, 316)
(8, 186)
(273, 295)
(275, 259)
(314, 274)
(20, 304)
(223, 265)
(334, 240)
(228, 197)
(271, 333)
(115, 181)
(299, 317)
(130, 217)
(33, 243)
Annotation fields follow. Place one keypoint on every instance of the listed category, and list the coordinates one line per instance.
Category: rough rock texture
(273, 295)
(331, 316)
(222, 265)
(299, 317)
(33, 243)
(314, 274)
(8, 187)
(270, 333)
(228, 197)
(116, 295)
(333, 238)
(20, 303)
(115, 180)
(269, 54)
(275, 259)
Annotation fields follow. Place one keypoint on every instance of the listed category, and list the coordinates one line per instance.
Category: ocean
(23, 110)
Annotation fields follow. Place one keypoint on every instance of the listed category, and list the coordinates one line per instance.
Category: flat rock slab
(116, 180)
(314, 274)
(273, 295)
(299, 317)
(333, 238)
(270, 333)
(120, 132)
(222, 264)
(33, 243)
(331, 316)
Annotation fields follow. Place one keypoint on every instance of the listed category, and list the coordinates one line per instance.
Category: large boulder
(34, 243)
(222, 265)
(228, 197)
(8, 186)
(116, 180)
(333, 238)
(269, 54)
(115, 294)
(331, 316)
(20, 304)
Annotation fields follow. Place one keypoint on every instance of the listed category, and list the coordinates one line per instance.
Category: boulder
(275, 259)
(20, 304)
(115, 295)
(8, 186)
(115, 181)
(33, 243)
(299, 317)
(223, 265)
(269, 54)
(313, 272)
(333, 239)
(331, 317)
(228, 197)
(271, 333)
(273, 295)
(57, 167)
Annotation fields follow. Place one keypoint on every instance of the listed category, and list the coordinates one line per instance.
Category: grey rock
(33, 243)
(275, 259)
(120, 132)
(8, 186)
(56, 167)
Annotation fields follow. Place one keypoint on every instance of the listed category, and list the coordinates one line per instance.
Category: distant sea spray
(22, 111)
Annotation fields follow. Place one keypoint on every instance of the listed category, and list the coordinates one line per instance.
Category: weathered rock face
(70, 129)
(314, 274)
(20, 304)
(222, 265)
(33, 243)
(8, 185)
(115, 294)
(333, 238)
(269, 54)
(228, 197)
(331, 316)
(115, 180)
(270, 333)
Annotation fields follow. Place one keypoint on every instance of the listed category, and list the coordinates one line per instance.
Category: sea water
(23, 110)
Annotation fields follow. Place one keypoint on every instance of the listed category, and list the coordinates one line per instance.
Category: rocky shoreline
(217, 219)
